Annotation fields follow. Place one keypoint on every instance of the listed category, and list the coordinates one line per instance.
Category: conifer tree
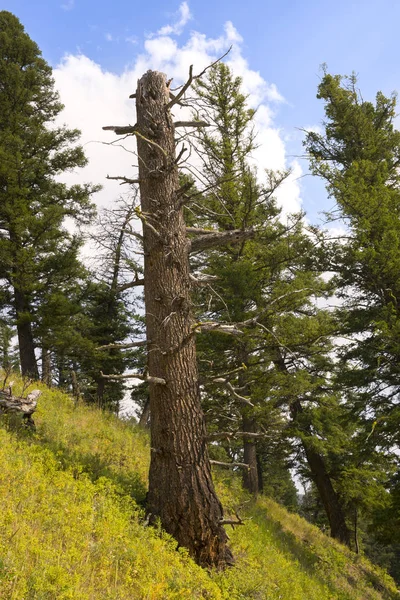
(357, 156)
(280, 361)
(33, 200)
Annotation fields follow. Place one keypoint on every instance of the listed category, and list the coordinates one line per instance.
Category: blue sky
(284, 43)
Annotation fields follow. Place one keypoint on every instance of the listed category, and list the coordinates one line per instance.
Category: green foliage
(39, 258)
(71, 526)
(357, 156)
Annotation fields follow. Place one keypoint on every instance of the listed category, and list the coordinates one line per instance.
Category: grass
(71, 525)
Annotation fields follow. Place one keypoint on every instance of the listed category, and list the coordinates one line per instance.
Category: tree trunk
(101, 384)
(250, 477)
(181, 490)
(319, 472)
(145, 416)
(25, 338)
(322, 480)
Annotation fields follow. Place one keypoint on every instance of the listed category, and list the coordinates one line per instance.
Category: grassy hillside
(71, 526)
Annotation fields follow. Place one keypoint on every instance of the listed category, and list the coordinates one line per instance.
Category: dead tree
(10, 404)
(181, 491)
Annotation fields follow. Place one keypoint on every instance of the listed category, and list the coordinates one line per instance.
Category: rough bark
(25, 337)
(181, 491)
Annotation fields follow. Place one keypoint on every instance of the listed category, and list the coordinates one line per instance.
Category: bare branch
(203, 278)
(222, 435)
(230, 465)
(211, 240)
(215, 326)
(186, 86)
(121, 129)
(152, 143)
(232, 390)
(200, 231)
(176, 99)
(130, 284)
(147, 378)
(233, 522)
(191, 124)
(123, 179)
(123, 346)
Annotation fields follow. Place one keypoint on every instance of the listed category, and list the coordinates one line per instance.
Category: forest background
(344, 438)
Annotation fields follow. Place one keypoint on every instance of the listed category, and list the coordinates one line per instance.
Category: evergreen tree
(358, 156)
(33, 200)
(280, 362)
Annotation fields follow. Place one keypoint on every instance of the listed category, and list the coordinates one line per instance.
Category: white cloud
(94, 97)
(183, 17)
(109, 37)
(68, 5)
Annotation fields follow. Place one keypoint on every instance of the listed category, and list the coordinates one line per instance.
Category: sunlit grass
(71, 526)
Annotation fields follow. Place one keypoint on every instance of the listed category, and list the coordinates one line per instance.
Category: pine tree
(33, 200)
(358, 156)
(267, 282)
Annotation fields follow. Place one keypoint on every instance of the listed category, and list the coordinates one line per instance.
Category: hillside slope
(71, 526)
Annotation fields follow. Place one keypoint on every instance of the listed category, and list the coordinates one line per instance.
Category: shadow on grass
(322, 569)
(80, 463)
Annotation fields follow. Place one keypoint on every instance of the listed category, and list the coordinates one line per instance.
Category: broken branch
(230, 465)
(211, 240)
(214, 326)
(147, 378)
(191, 124)
(123, 179)
(123, 346)
(121, 129)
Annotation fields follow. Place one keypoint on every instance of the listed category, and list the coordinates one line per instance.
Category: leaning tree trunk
(319, 473)
(249, 425)
(251, 475)
(181, 490)
(322, 480)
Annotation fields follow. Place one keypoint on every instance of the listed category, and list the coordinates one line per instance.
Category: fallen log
(17, 405)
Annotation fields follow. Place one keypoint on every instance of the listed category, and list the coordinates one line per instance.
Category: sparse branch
(221, 435)
(123, 346)
(215, 326)
(130, 284)
(123, 179)
(176, 99)
(203, 278)
(181, 93)
(230, 465)
(147, 378)
(197, 124)
(233, 522)
(121, 129)
(200, 231)
(211, 240)
(232, 391)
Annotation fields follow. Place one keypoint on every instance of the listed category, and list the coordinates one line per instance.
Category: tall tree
(358, 155)
(181, 490)
(266, 282)
(235, 200)
(33, 200)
